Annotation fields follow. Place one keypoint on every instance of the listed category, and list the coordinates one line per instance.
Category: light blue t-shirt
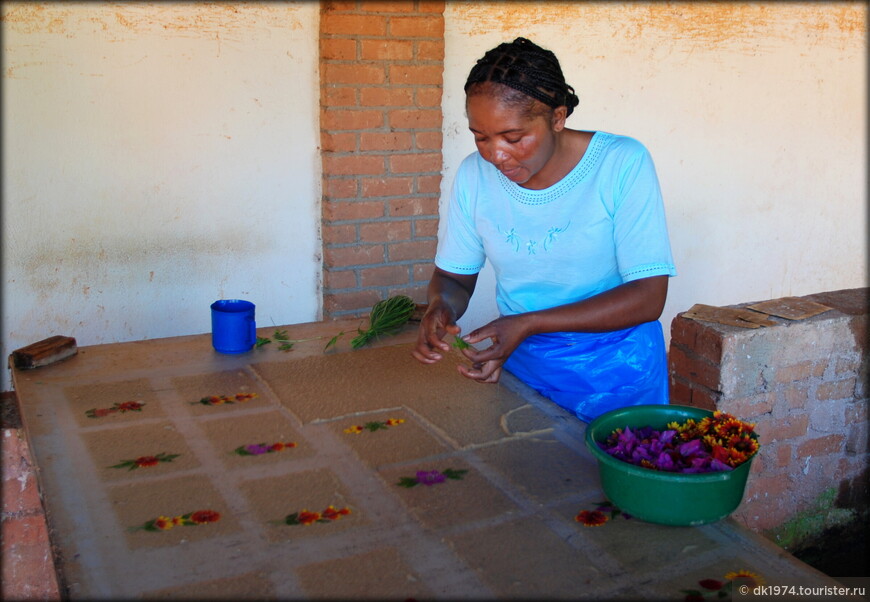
(602, 225)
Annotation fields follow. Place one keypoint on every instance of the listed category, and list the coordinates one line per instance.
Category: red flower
(100, 412)
(205, 516)
(712, 584)
(333, 513)
(146, 461)
(591, 518)
(277, 446)
(130, 406)
(163, 523)
(306, 518)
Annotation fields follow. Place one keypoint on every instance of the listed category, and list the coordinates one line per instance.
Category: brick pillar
(380, 117)
(802, 382)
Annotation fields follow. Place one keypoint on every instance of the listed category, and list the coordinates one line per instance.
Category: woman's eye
(512, 141)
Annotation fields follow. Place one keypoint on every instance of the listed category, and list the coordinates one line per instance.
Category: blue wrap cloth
(592, 373)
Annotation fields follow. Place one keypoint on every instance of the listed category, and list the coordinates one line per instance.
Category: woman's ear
(560, 114)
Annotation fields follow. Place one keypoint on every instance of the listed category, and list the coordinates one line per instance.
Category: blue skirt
(592, 373)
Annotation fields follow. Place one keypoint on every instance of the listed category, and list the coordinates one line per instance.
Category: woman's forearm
(626, 305)
(452, 290)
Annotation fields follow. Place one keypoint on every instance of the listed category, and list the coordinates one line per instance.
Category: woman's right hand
(438, 321)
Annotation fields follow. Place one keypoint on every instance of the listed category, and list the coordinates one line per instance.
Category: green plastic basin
(655, 496)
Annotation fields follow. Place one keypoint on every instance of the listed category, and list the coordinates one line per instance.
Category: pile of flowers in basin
(712, 444)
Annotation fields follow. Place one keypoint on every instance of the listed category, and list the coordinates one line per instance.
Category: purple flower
(665, 462)
(692, 448)
(257, 449)
(716, 465)
(430, 477)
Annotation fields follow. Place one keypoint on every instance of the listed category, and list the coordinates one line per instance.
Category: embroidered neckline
(576, 175)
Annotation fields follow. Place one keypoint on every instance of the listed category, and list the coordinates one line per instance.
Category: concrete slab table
(171, 471)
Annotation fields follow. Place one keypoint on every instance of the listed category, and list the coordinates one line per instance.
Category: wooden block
(44, 352)
(790, 308)
(743, 318)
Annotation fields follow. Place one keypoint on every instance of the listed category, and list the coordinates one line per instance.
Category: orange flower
(354, 430)
(204, 516)
(164, 523)
(745, 578)
(278, 446)
(730, 427)
(744, 444)
(306, 518)
(245, 396)
(178, 520)
(394, 421)
(146, 461)
(591, 518)
(290, 444)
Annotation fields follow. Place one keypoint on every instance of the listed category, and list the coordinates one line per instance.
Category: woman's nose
(497, 155)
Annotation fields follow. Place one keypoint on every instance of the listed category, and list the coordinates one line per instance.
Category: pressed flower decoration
(717, 443)
(431, 477)
(714, 588)
(146, 461)
(258, 449)
(604, 512)
(217, 400)
(374, 426)
(306, 518)
(164, 523)
(118, 407)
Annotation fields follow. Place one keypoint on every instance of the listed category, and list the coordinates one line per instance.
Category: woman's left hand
(506, 333)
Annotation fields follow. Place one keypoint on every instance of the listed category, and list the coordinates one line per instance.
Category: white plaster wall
(157, 157)
(755, 116)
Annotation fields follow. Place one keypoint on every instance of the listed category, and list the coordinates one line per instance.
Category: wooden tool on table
(44, 352)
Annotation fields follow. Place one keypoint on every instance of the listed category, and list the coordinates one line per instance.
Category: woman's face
(517, 144)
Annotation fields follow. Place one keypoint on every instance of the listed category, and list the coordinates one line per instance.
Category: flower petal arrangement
(191, 519)
(119, 407)
(373, 426)
(217, 400)
(714, 588)
(599, 516)
(431, 477)
(717, 443)
(146, 461)
(306, 518)
(258, 449)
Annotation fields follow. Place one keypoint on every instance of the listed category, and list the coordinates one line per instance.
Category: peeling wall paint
(158, 156)
(755, 114)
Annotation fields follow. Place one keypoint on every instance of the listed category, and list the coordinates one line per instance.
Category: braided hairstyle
(528, 71)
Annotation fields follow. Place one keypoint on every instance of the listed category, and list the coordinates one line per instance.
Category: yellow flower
(354, 430)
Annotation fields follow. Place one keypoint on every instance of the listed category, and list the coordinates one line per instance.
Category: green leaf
(407, 482)
(453, 474)
(281, 335)
(285, 347)
(262, 341)
(292, 519)
(333, 340)
(458, 343)
(375, 426)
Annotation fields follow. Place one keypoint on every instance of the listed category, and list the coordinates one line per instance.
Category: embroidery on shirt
(514, 240)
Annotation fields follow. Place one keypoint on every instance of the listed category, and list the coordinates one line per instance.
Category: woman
(574, 226)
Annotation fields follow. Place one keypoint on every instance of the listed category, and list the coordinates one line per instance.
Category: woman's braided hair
(527, 68)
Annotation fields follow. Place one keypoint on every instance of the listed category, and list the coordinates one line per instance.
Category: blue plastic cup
(233, 328)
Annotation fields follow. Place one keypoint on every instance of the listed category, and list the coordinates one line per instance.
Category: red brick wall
(381, 75)
(804, 385)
